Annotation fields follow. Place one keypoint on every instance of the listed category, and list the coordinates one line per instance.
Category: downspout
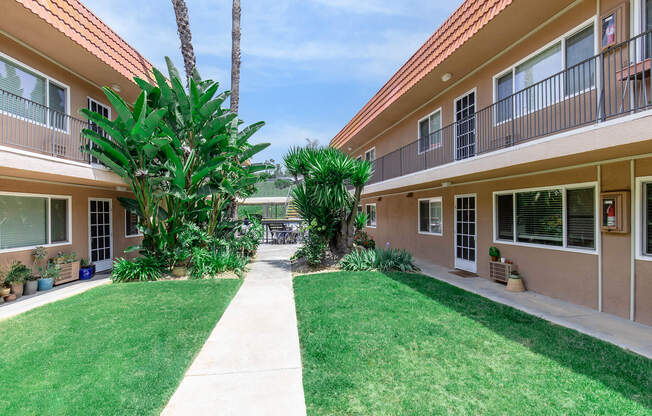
(599, 243)
(632, 242)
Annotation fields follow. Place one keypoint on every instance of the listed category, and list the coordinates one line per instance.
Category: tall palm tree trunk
(235, 56)
(183, 28)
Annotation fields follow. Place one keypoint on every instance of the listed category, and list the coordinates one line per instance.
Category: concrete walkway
(251, 362)
(26, 303)
(622, 332)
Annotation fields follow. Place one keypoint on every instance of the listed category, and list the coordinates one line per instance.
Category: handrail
(36, 127)
(611, 84)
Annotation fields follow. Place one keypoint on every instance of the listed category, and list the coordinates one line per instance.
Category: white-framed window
(359, 158)
(28, 94)
(32, 220)
(570, 52)
(558, 217)
(644, 218)
(430, 131)
(371, 215)
(131, 224)
(430, 216)
(370, 155)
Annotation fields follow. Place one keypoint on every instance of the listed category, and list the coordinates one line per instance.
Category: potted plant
(4, 290)
(515, 282)
(181, 255)
(494, 253)
(31, 284)
(39, 254)
(47, 277)
(16, 277)
(85, 270)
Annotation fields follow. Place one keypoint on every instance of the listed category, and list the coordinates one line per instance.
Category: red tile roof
(465, 22)
(74, 20)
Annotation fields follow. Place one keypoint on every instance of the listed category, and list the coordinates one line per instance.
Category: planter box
(499, 271)
(69, 272)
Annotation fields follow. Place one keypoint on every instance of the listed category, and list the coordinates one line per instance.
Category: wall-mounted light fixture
(115, 87)
(446, 77)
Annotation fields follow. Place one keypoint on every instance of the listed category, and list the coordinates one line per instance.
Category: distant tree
(185, 36)
(235, 56)
(312, 143)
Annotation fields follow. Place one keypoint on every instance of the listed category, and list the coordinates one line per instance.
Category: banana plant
(182, 154)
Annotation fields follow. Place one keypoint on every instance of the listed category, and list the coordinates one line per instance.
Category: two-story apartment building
(55, 56)
(523, 125)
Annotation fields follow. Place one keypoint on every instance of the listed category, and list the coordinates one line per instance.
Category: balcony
(31, 126)
(612, 84)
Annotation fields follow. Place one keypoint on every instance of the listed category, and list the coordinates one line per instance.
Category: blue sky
(307, 65)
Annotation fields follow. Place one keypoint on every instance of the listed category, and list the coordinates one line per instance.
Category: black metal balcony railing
(32, 126)
(612, 84)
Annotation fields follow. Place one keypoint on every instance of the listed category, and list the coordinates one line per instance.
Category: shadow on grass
(624, 372)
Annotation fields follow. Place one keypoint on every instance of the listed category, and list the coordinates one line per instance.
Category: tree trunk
(183, 28)
(344, 237)
(235, 56)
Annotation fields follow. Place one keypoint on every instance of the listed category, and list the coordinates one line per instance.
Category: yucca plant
(323, 194)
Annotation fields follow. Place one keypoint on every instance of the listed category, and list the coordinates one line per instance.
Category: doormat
(462, 273)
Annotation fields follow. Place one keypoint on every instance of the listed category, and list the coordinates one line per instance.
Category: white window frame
(559, 40)
(366, 210)
(431, 146)
(48, 80)
(138, 234)
(49, 219)
(639, 219)
(372, 150)
(441, 220)
(563, 189)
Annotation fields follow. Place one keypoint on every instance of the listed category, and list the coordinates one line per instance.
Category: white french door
(466, 233)
(104, 111)
(100, 233)
(465, 126)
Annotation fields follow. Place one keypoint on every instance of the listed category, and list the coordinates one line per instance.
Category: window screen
(59, 220)
(25, 92)
(580, 218)
(131, 223)
(648, 218)
(505, 214)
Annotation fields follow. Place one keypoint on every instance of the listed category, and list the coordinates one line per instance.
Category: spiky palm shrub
(181, 153)
(322, 197)
(379, 259)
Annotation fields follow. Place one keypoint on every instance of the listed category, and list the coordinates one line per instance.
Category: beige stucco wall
(80, 197)
(566, 275)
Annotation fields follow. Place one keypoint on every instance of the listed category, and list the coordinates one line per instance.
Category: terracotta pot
(515, 285)
(30, 287)
(5, 291)
(9, 298)
(179, 271)
(17, 289)
(494, 258)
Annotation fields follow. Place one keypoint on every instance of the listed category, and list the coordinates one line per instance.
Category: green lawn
(405, 344)
(119, 349)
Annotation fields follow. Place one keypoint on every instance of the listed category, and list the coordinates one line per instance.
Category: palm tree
(183, 28)
(235, 56)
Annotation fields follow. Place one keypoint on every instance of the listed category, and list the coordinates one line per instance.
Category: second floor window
(430, 132)
(370, 155)
(26, 94)
(563, 68)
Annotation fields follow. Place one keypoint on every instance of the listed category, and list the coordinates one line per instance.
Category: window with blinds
(430, 220)
(28, 95)
(29, 221)
(560, 217)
